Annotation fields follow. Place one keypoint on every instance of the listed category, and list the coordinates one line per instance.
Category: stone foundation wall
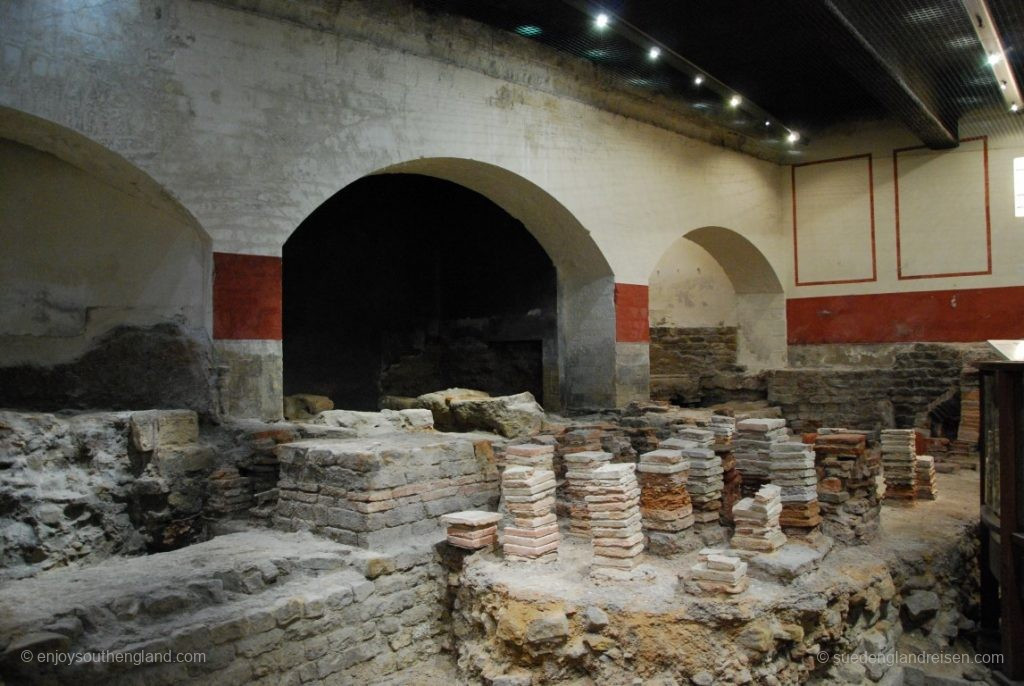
(250, 608)
(80, 488)
(368, 493)
(892, 387)
(681, 357)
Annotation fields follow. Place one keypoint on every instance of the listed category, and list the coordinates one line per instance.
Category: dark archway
(401, 284)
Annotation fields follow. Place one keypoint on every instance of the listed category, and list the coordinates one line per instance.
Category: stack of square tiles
(529, 495)
(848, 490)
(757, 521)
(752, 445)
(577, 479)
(472, 529)
(717, 572)
(899, 464)
(530, 455)
(613, 500)
(664, 501)
(925, 473)
(792, 469)
(723, 427)
(706, 478)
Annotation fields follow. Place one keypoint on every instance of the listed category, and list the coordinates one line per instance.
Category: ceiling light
(1002, 85)
(1014, 107)
(654, 52)
(793, 137)
(735, 101)
(767, 123)
(995, 58)
(698, 79)
(529, 30)
(601, 21)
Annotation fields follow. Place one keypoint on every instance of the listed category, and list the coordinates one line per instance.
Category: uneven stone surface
(79, 488)
(259, 606)
(509, 415)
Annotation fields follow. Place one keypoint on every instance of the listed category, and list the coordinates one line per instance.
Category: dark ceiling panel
(809, 63)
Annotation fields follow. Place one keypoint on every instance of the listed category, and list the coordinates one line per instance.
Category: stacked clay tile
(613, 500)
(705, 482)
(792, 469)
(579, 466)
(724, 427)
(757, 521)
(472, 529)
(752, 446)
(529, 495)
(530, 455)
(664, 501)
(847, 488)
(925, 474)
(717, 572)
(899, 464)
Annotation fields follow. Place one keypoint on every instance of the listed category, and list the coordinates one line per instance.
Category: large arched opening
(716, 305)
(446, 272)
(105, 279)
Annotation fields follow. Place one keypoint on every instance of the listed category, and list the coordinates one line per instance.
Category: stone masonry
(370, 492)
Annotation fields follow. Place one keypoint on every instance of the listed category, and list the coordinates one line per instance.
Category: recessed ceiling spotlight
(1002, 85)
(767, 123)
(1014, 107)
(995, 58)
(793, 137)
(601, 21)
(654, 52)
(735, 101)
(698, 79)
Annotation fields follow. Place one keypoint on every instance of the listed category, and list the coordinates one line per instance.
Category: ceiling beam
(871, 57)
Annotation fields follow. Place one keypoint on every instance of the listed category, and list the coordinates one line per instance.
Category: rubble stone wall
(682, 356)
(258, 609)
(80, 488)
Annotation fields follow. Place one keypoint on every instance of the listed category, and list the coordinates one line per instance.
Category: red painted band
(632, 322)
(951, 316)
(246, 297)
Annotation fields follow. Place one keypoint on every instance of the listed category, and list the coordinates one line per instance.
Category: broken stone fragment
(153, 429)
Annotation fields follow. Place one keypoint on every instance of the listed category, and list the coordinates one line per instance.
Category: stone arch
(99, 259)
(584, 374)
(742, 284)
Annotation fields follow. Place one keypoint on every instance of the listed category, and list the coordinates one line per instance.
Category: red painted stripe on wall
(246, 297)
(955, 316)
(632, 323)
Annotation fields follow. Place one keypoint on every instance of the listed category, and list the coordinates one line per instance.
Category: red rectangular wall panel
(632, 324)
(954, 316)
(246, 297)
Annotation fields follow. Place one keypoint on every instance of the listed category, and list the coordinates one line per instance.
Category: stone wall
(683, 357)
(84, 487)
(883, 388)
(368, 493)
(246, 608)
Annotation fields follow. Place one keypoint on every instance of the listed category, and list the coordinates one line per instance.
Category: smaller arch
(716, 302)
(745, 265)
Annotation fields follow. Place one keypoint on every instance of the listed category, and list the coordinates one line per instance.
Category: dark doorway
(403, 284)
